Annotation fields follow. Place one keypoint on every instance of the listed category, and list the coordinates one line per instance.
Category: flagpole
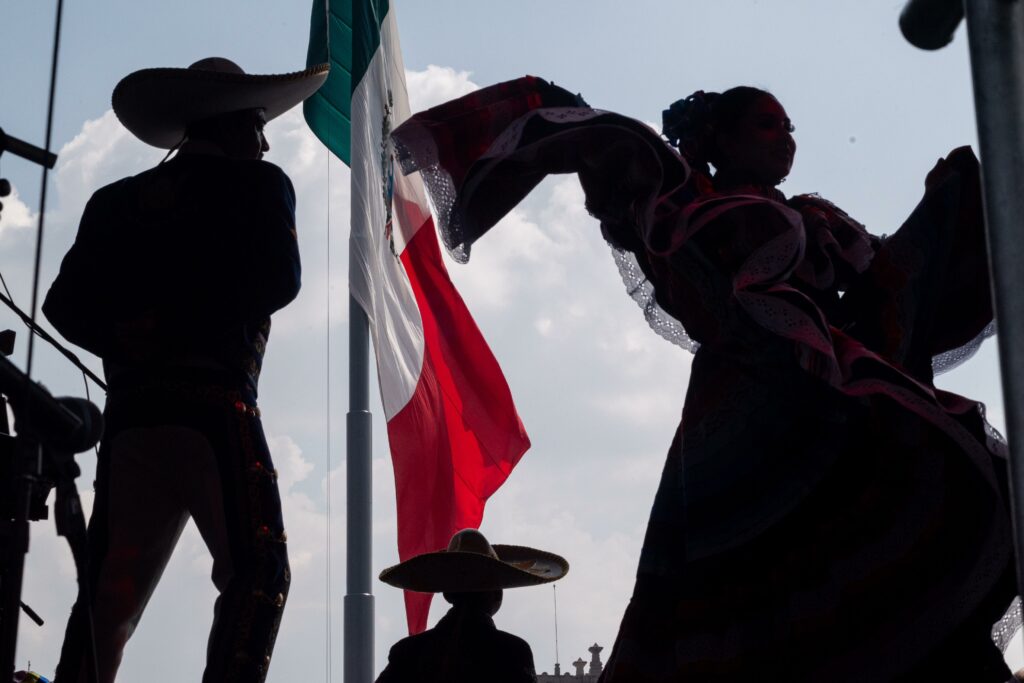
(995, 32)
(359, 605)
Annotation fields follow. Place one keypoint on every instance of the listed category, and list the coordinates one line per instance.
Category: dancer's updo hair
(691, 124)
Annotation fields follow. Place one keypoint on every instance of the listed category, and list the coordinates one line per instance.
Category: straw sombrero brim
(157, 105)
(452, 571)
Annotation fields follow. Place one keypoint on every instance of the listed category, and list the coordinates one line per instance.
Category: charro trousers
(173, 451)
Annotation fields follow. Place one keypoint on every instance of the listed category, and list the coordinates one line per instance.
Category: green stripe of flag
(354, 37)
(369, 17)
(329, 112)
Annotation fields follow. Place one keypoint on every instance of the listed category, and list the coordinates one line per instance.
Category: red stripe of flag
(459, 437)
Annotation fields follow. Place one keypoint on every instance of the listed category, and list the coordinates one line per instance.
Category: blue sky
(599, 393)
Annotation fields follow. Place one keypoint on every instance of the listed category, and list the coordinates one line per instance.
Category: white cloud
(517, 253)
(15, 215)
(643, 407)
(291, 466)
(101, 153)
(436, 84)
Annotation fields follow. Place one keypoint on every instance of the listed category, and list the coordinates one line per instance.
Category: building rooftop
(584, 673)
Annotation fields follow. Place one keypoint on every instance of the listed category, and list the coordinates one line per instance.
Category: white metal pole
(995, 31)
(359, 504)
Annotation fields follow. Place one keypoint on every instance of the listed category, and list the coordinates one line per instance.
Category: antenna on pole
(554, 595)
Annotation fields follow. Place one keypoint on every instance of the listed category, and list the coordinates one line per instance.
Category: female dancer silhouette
(825, 513)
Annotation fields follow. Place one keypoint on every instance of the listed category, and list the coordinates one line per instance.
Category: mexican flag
(452, 427)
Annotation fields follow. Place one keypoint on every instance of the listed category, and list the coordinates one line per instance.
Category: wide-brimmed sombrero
(471, 564)
(157, 105)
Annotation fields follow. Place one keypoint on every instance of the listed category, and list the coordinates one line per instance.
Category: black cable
(36, 329)
(85, 381)
(4, 283)
(42, 193)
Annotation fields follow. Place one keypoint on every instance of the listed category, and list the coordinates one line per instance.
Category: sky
(599, 393)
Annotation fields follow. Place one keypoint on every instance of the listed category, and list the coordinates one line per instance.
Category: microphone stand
(48, 436)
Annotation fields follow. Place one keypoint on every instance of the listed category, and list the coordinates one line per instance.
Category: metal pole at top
(359, 503)
(995, 31)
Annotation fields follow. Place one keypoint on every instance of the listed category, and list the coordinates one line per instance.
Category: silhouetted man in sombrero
(465, 646)
(171, 281)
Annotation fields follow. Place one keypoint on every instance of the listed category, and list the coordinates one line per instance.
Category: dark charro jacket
(181, 266)
(464, 647)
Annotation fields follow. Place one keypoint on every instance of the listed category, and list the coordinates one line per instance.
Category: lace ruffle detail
(1006, 628)
(954, 358)
(418, 152)
(641, 290)
(411, 153)
(995, 441)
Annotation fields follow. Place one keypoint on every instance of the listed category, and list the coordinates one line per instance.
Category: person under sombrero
(171, 281)
(465, 646)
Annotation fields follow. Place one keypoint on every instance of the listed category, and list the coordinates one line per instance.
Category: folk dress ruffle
(825, 513)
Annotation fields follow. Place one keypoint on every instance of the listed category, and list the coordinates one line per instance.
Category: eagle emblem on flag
(387, 169)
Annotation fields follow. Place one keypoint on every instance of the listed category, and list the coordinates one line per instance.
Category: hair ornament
(687, 124)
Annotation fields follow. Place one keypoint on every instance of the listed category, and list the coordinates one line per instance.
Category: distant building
(581, 676)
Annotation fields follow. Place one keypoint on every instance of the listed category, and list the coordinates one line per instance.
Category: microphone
(25, 150)
(70, 424)
(91, 430)
(930, 24)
